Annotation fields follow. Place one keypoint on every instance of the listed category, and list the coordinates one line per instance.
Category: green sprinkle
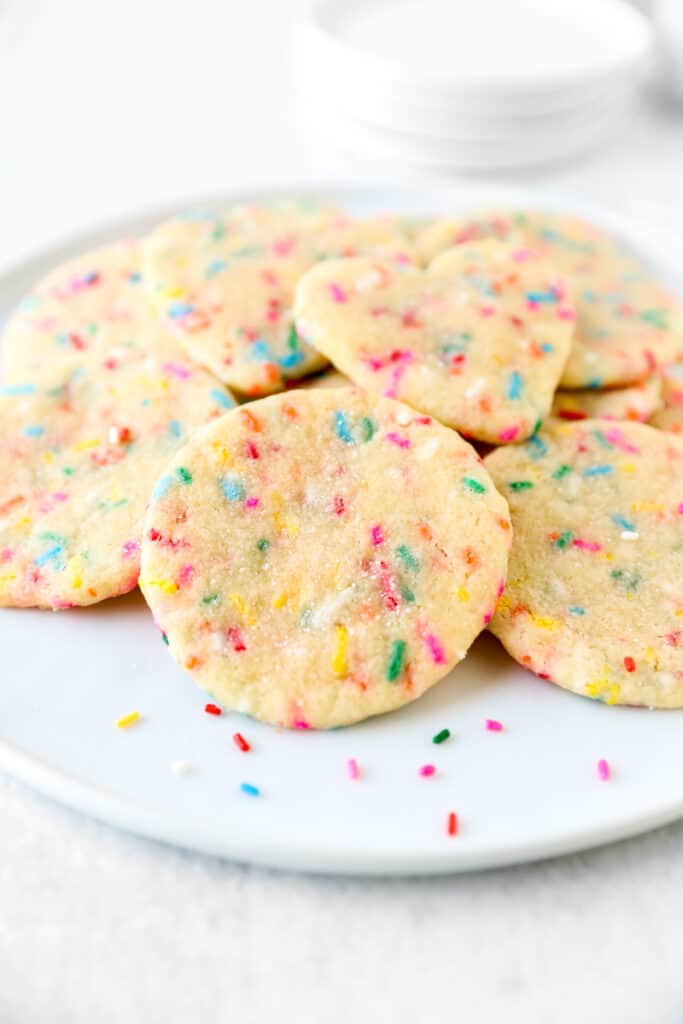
(396, 659)
(537, 426)
(601, 439)
(164, 638)
(473, 485)
(184, 475)
(210, 599)
(263, 544)
(367, 428)
(442, 736)
(293, 338)
(68, 471)
(520, 485)
(562, 471)
(564, 540)
(407, 557)
(407, 595)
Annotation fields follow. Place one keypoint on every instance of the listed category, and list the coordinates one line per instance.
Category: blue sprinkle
(249, 789)
(576, 609)
(540, 446)
(547, 347)
(220, 398)
(162, 487)
(34, 431)
(176, 310)
(624, 523)
(594, 385)
(14, 390)
(52, 554)
(292, 359)
(135, 277)
(541, 297)
(232, 487)
(216, 267)
(175, 428)
(597, 470)
(515, 385)
(261, 352)
(342, 427)
(145, 401)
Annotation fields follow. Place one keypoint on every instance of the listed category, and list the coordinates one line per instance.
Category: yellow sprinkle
(171, 292)
(276, 500)
(627, 467)
(221, 452)
(24, 521)
(339, 666)
(83, 446)
(281, 599)
(679, 613)
(48, 457)
(73, 565)
(239, 604)
(292, 525)
(127, 720)
(543, 622)
(166, 586)
(463, 594)
(609, 692)
(7, 578)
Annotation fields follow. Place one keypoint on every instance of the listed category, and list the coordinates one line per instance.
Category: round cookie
(628, 325)
(594, 597)
(638, 402)
(319, 557)
(670, 416)
(81, 448)
(478, 340)
(86, 306)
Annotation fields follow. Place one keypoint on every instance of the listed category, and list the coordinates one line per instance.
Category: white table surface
(107, 108)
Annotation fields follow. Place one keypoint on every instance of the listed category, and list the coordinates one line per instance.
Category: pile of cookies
(268, 418)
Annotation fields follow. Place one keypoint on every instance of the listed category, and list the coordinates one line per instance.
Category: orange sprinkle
(250, 420)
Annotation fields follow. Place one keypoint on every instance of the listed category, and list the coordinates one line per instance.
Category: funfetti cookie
(670, 415)
(628, 324)
(638, 402)
(594, 596)
(320, 556)
(81, 448)
(478, 340)
(82, 308)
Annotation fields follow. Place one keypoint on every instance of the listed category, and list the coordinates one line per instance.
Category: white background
(110, 108)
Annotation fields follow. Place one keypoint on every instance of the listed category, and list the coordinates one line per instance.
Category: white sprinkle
(403, 417)
(428, 449)
(475, 388)
(181, 769)
(629, 535)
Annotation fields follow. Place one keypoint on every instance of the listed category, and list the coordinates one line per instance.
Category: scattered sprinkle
(493, 725)
(212, 709)
(250, 789)
(603, 770)
(452, 824)
(240, 742)
(426, 770)
(353, 769)
(126, 720)
(441, 736)
(181, 769)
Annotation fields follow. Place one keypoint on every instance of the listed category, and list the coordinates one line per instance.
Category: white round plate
(527, 792)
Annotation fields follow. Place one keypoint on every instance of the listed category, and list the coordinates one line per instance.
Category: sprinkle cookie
(594, 598)
(638, 402)
(670, 415)
(80, 450)
(90, 305)
(479, 340)
(628, 325)
(291, 581)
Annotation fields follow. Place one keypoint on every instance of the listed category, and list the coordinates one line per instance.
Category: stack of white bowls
(470, 84)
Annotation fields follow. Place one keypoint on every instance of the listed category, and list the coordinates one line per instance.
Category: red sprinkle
(213, 709)
(452, 824)
(240, 742)
(629, 664)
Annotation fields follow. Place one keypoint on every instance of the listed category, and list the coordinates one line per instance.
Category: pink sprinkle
(301, 723)
(175, 370)
(501, 588)
(494, 726)
(615, 437)
(131, 547)
(426, 770)
(509, 434)
(522, 255)
(680, 508)
(396, 439)
(566, 314)
(586, 545)
(488, 311)
(378, 536)
(337, 293)
(60, 496)
(251, 502)
(282, 246)
(435, 648)
(353, 769)
(186, 573)
(603, 770)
